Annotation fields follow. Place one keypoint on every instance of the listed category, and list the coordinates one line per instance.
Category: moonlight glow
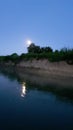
(28, 42)
(23, 93)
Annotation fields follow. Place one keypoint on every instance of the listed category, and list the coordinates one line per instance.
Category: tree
(36, 49)
(46, 50)
(33, 48)
(14, 57)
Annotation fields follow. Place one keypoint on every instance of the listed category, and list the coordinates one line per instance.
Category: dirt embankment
(52, 68)
(43, 72)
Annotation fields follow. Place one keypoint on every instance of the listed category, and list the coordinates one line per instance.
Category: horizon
(45, 23)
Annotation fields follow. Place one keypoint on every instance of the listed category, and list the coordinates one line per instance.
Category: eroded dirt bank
(55, 68)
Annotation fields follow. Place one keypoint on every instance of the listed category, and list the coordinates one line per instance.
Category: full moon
(28, 42)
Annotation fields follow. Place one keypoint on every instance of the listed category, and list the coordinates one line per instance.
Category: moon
(28, 42)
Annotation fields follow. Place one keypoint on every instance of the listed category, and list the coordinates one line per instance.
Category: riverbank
(36, 79)
(52, 68)
(44, 72)
(43, 77)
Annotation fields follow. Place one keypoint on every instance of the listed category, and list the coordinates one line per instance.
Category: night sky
(44, 22)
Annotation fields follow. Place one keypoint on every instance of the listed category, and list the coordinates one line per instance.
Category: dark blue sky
(45, 22)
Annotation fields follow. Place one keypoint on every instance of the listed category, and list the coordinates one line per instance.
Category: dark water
(29, 106)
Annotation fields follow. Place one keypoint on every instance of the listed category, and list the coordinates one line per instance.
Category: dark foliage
(37, 52)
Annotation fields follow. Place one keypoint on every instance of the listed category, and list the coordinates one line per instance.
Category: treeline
(37, 49)
(37, 52)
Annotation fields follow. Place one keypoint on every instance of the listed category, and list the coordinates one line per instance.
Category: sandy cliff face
(58, 68)
(43, 72)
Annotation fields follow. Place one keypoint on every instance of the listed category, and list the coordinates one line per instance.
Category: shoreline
(52, 68)
(44, 72)
(37, 80)
(40, 77)
(43, 77)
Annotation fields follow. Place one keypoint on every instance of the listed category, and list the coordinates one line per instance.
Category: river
(27, 105)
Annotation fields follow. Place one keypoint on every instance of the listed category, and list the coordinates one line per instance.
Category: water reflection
(23, 92)
(39, 82)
